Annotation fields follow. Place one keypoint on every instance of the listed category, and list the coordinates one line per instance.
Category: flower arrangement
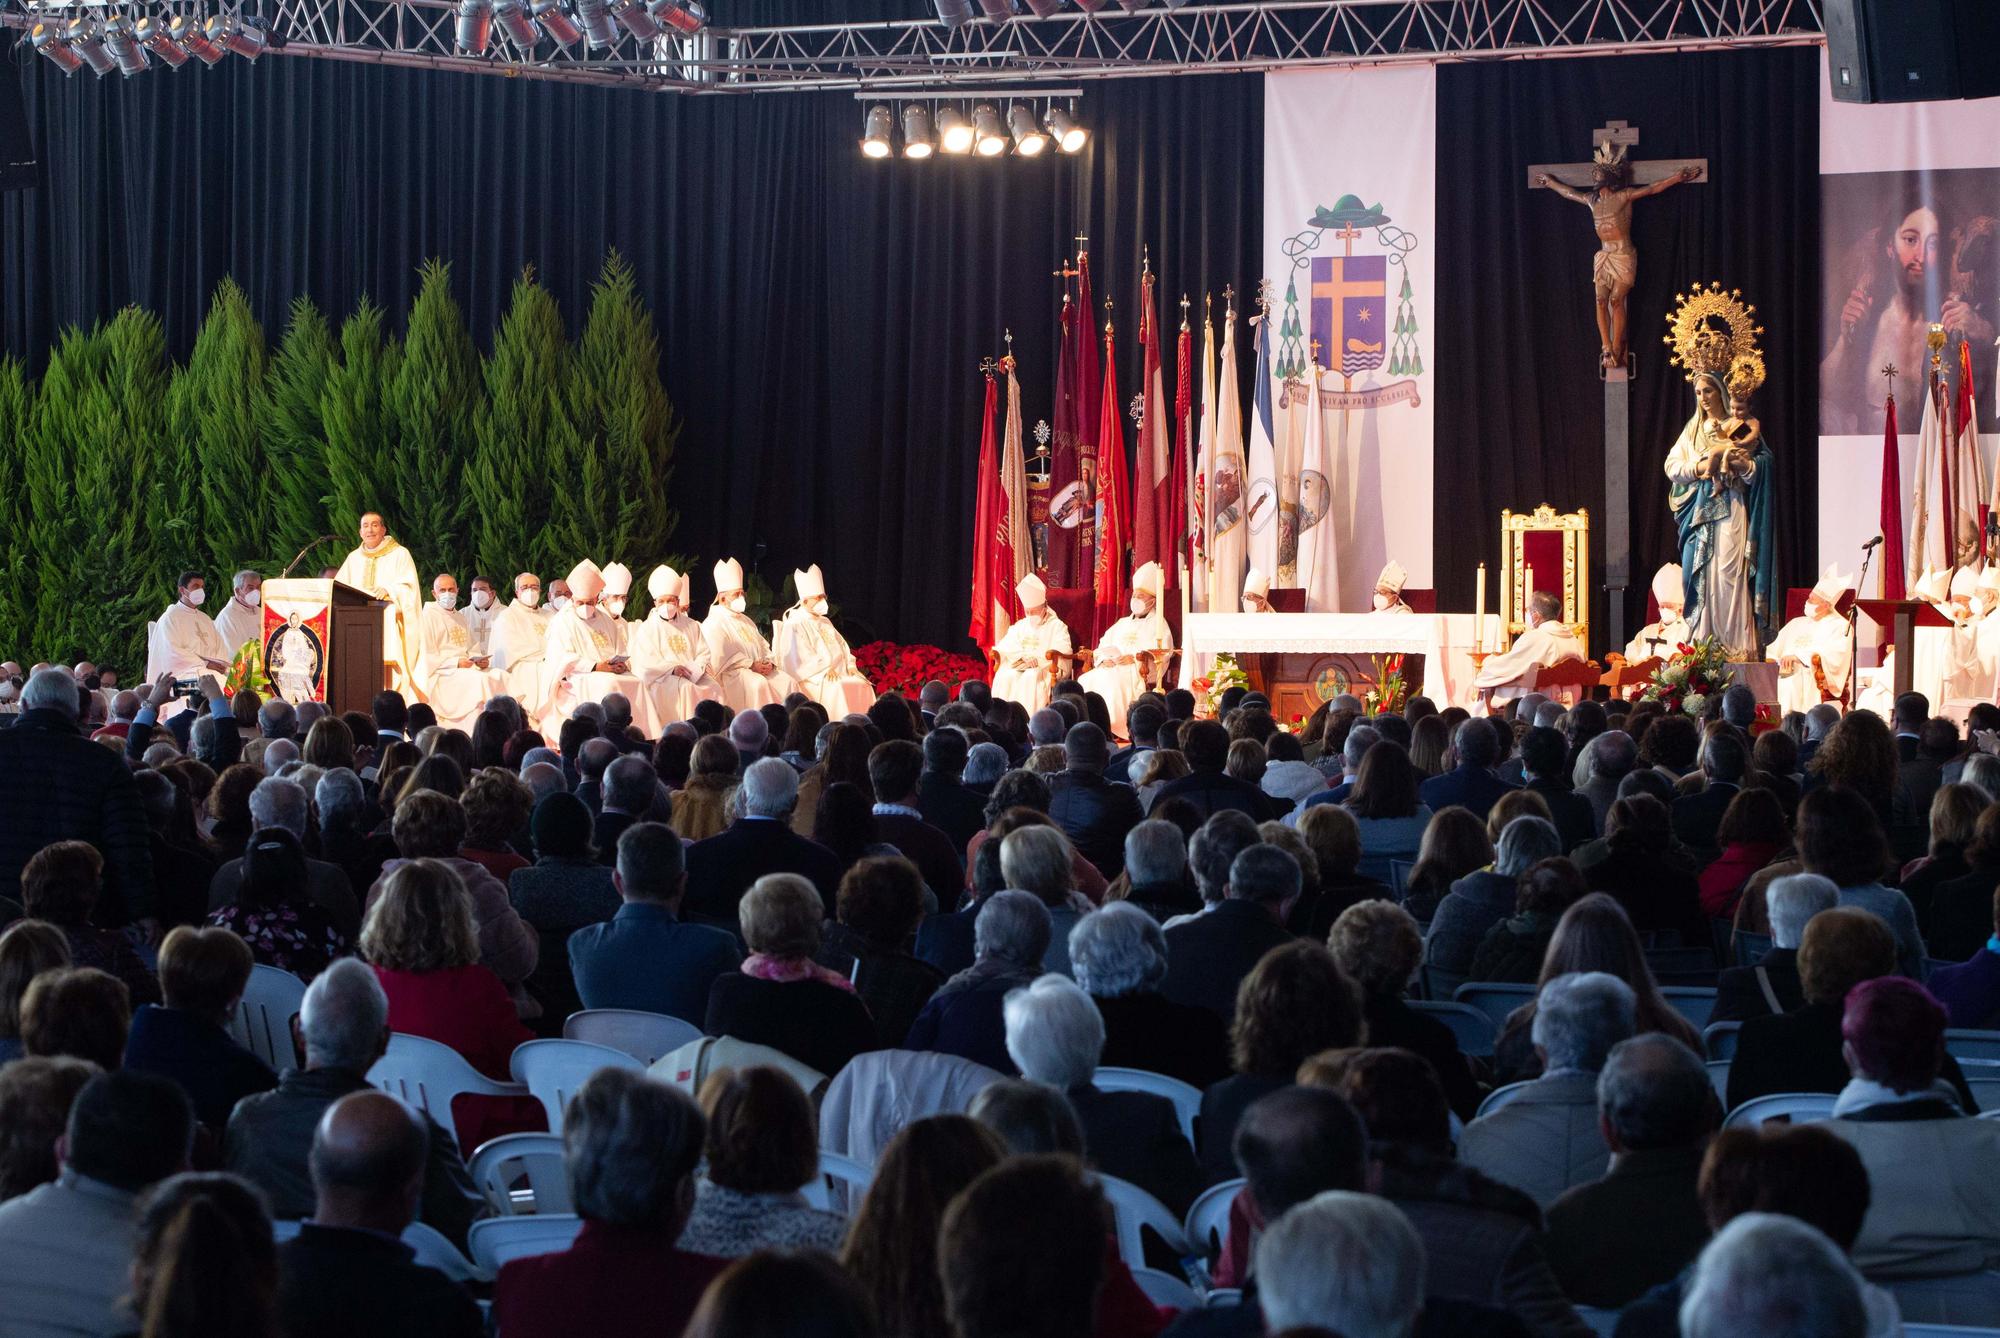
(1224, 675)
(246, 670)
(905, 669)
(1686, 679)
(1387, 691)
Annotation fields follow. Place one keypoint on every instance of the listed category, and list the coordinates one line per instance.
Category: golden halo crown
(1711, 329)
(1746, 373)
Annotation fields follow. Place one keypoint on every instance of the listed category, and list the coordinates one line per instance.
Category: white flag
(1319, 553)
(1227, 489)
(1263, 499)
(1931, 524)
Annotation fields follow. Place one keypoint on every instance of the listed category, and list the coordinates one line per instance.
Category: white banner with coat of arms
(1350, 164)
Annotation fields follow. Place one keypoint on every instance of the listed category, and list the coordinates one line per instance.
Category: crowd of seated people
(992, 920)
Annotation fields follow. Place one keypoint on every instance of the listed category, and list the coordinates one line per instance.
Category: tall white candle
(1479, 609)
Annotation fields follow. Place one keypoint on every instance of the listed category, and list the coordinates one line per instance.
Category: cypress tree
(293, 429)
(17, 566)
(432, 399)
(626, 425)
(355, 412)
(214, 407)
(525, 441)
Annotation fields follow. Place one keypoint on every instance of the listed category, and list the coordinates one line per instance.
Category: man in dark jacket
(59, 786)
(721, 868)
(1206, 746)
(1093, 812)
(644, 957)
(630, 786)
(893, 771)
(964, 1017)
(1771, 983)
(942, 796)
(1544, 759)
(1474, 784)
(1698, 816)
(1208, 956)
(1142, 725)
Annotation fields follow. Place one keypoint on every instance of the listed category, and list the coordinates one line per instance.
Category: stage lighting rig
(247, 37)
(475, 26)
(82, 36)
(954, 131)
(555, 21)
(989, 136)
(187, 34)
(1069, 136)
(917, 139)
(514, 20)
(46, 38)
(1028, 137)
(876, 128)
(685, 17)
(152, 34)
(125, 50)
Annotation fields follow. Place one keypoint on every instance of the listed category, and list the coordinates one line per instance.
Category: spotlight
(186, 33)
(475, 26)
(124, 47)
(917, 141)
(49, 42)
(998, 10)
(636, 19)
(1028, 137)
(595, 16)
(954, 13)
(82, 37)
(522, 31)
(555, 20)
(875, 129)
(954, 131)
(989, 136)
(1070, 137)
(683, 16)
(153, 35)
(243, 36)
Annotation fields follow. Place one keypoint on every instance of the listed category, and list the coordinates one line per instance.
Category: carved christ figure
(1616, 266)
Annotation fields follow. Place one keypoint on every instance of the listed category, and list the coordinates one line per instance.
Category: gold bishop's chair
(1556, 548)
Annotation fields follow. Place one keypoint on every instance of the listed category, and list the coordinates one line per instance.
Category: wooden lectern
(1903, 617)
(323, 643)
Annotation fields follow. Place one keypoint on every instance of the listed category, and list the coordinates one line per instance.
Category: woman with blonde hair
(1454, 845)
(701, 807)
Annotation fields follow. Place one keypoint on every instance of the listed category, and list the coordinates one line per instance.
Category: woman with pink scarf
(781, 997)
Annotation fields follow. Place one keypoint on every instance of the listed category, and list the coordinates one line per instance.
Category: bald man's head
(367, 1161)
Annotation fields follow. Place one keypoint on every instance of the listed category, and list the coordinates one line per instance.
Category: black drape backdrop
(1520, 417)
(822, 316)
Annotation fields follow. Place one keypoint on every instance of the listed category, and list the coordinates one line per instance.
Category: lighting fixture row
(128, 45)
(955, 12)
(526, 22)
(983, 133)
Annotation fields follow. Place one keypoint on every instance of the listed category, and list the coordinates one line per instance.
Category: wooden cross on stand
(1625, 135)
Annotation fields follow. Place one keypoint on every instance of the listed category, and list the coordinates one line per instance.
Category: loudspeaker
(1911, 50)
(17, 151)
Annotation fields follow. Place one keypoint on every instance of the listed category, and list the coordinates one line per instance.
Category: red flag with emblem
(1114, 501)
(1153, 470)
(992, 550)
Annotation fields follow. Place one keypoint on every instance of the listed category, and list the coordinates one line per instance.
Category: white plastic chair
(262, 1023)
(1207, 1224)
(1499, 1097)
(1963, 1043)
(644, 1036)
(1600, 1321)
(1186, 1098)
(433, 1250)
(1718, 1078)
(1164, 1289)
(1946, 1331)
(553, 1070)
(284, 1229)
(1798, 1107)
(1470, 1027)
(537, 1157)
(1985, 1091)
(427, 1074)
(1496, 999)
(1696, 1003)
(851, 1173)
(501, 1240)
(1719, 1039)
(1133, 1208)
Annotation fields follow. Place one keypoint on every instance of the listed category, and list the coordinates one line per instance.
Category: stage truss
(1068, 46)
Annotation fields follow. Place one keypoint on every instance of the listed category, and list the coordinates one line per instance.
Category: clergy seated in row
(1022, 652)
(738, 655)
(816, 655)
(479, 610)
(183, 641)
(669, 653)
(515, 641)
(1983, 671)
(241, 620)
(1820, 633)
(384, 568)
(585, 650)
(1944, 657)
(1668, 632)
(1548, 641)
(451, 673)
(1388, 596)
(1115, 672)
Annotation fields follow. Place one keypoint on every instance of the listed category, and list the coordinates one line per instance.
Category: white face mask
(254, 598)
(816, 605)
(482, 599)
(195, 597)
(670, 610)
(616, 605)
(738, 604)
(529, 598)
(1382, 601)
(1251, 604)
(559, 603)
(448, 599)
(1139, 608)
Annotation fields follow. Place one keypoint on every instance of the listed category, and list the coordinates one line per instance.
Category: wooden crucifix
(1608, 184)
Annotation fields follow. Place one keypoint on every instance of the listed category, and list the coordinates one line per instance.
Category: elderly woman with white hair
(1010, 936)
(1771, 984)
(1485, 897)
(1055, 1037)
(1038, 860)
(1119, 955)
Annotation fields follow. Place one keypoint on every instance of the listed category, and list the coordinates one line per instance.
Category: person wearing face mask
(479, 611)
(585, 650)
(1257, 592)
(241, 620)
(1820, 631)
(738, 655)
(1664, 634)
(559, 598)
(669, 653)
(1547, 641)
(515, 641)
(1021, 654)
(1115, 675)
(451, 673)
(1388, 596)
(381, 567)
(815, 653)
(183, 640)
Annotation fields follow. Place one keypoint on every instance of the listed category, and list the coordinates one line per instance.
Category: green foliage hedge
(120, 469)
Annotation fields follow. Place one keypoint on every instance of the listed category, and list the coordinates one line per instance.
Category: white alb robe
(1023, 675)
(515, 642)
(1118, 684)
(661, 647)
(1806, 636)
(458, 693)
(389, 572)
(480, 624)
(1658, 639)
(580, 638)
(816, 655)
(734, 644)
(1540, 646)
(183, 639)
(239, 624)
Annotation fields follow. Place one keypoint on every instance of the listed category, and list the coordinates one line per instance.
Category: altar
(1301, 659)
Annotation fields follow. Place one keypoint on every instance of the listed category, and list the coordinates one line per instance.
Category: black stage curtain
(1520, 417)
(822, 316)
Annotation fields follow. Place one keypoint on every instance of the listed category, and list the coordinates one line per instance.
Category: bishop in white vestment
(584, 662)
(1665, 634)
(515, 642)
(738, 655)
(384, 568)
(815, 653)
(1022, 652)
(241, 620)
(669, 653)
(451, 674)
(183, 640)
(1820, 631)
(479, 612)
(1388, 596)
(1114, 674)
(1548, 641)
(1256, 592)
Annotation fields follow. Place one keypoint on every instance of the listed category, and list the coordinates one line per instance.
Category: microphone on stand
(1876, 541)
(302, 553)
